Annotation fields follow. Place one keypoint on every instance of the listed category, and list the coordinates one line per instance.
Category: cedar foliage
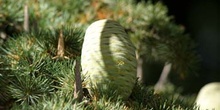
(30, 78)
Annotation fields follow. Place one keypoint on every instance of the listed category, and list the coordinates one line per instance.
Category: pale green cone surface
(209, 97)
(108, 58)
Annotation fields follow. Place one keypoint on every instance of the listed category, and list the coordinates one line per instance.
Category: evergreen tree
(35, 73)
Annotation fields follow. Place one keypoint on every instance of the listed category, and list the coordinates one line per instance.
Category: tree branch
(163, 77)
(78, 94)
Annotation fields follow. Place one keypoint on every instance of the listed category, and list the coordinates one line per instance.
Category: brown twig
(26, 19)
(60, 47)
(78, 94)
(163, 77)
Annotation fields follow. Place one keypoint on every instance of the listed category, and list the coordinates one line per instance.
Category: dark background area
(201, 20)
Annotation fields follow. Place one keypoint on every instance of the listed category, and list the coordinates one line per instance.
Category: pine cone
(108, 60)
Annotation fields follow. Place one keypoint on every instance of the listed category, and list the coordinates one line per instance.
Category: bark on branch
(163, 77)
(78, 93)
(26, 19)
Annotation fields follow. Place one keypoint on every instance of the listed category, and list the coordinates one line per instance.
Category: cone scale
(108, 59)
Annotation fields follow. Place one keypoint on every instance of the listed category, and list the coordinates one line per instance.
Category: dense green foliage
(31, 78)
(28, 72)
